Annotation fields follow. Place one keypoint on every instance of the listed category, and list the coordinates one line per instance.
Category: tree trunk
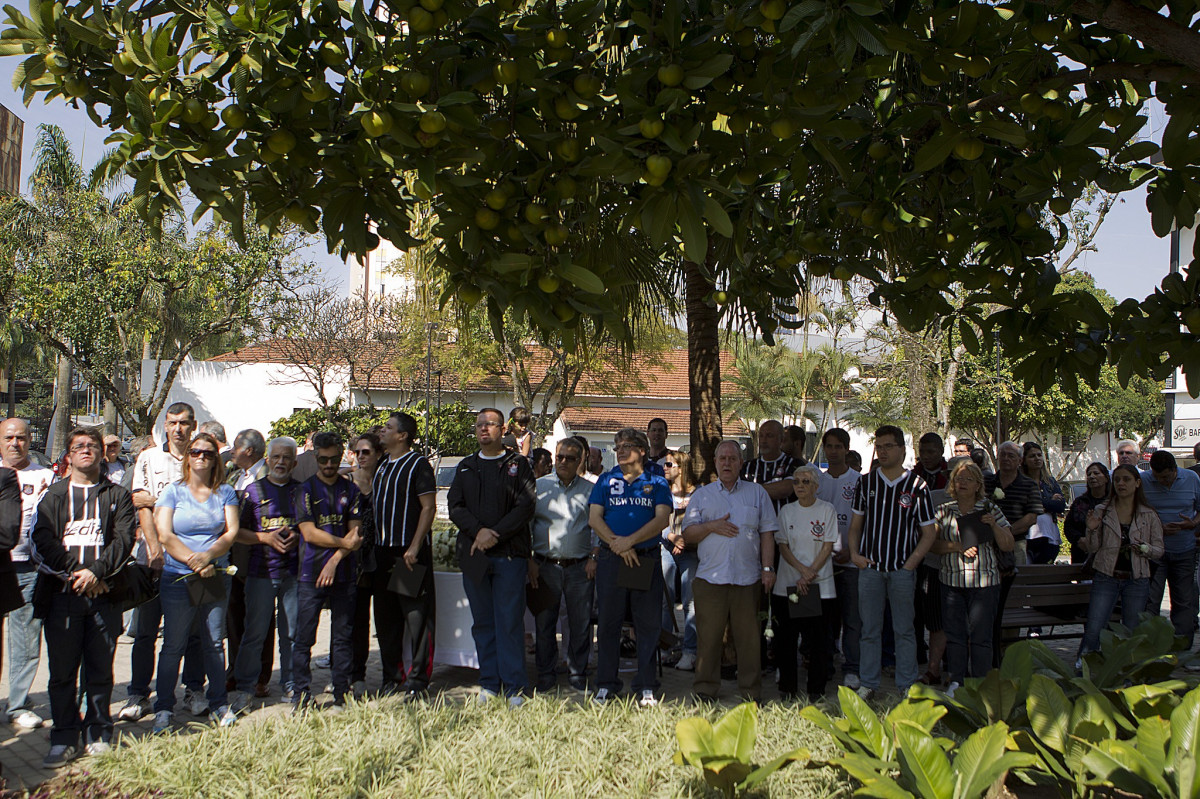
(704, 372)
(62, 407)
(921, 416)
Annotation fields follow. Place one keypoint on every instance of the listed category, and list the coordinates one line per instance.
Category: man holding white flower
(732, 524)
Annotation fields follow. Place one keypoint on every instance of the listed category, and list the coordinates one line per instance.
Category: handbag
(132, 585)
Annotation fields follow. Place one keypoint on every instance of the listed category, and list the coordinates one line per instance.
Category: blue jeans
(147, 618)
(1179, 571)
(24, 643)
(262, 596)
(968, 615)
(684, 564)
(498, 624)
(845, 580)
(899, 588)
(309, 601)
(80, 632)
(180, 619)
(570, 583)
(646, 609)
(1105, 591)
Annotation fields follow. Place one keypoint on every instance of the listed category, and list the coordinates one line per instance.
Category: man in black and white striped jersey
(403, 497)
(891, 530)
(773, 468)
(82, 535)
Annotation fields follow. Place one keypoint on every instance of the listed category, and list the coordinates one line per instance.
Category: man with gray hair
(1020, 497)
(732, 524)
(249, 449)
(217, 431)
(1128, 452)
(268, 526)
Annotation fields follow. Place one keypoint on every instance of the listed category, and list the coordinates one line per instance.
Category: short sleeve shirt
(331, 508)
(1023, 495)
(758, 470)
(196, 524)
(839, 492)
(738, 560)
(265, 506)
(805, 531)
(894, 512)
(34, 481)
(629, 506)
(396, 492)
(979, 572)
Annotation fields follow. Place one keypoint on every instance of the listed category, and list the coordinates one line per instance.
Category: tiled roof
(664, 376)
(604, 419)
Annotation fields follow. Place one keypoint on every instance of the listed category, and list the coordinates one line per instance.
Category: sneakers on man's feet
(485, 695)
(951, 689)
(647, 699)
(687, 662)
(59, 756)
(321, 662)
(96, 748)
(162, 721)
(135, 709)
(602, 696)
(239, 701)
(516, 700)
(27, 720)
(852, 682)
(224, 716)
(865, 694)
(195, 702)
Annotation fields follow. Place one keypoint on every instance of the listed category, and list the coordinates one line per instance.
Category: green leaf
(1048, 709)
(585, 280)
(1153, 738)
(921, 713)
(1137, 152)
(865, 726)
(924, 763)
(936, 150)
(799, 12)
(1121, 765)
(695, 237)
(762, 772)
(735, 732)
(717, 218)
(863, 768)
(695, 736)
(1184, 752)
(975, 765)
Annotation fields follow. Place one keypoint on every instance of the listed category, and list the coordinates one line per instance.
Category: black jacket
(497, 494)
(10, 515)
(117, 519)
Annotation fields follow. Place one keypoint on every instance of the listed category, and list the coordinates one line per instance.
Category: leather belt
(557, 561)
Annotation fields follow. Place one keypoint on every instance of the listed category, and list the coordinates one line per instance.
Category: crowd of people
(229, 553)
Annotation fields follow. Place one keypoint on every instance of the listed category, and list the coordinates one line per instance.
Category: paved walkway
(21, 751)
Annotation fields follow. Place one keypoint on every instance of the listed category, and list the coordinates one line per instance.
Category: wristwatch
(768, 569)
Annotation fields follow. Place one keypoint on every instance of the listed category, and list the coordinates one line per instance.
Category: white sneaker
(135, 709)
(516, 701)
(162, 721)
(601, 696)
(59, 756)
(485, 696)
(98, 748)
(865, 694)
(224, 717)
(195, 702)
(648, 699)
(852, 682)
(686, 662)
(950, 689)
(28, 720)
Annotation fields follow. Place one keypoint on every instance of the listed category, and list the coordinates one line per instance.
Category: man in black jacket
(10, 531)
(82, 535)
(491, 501)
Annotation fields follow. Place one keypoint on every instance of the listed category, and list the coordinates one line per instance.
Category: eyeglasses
(327, 459)
(85, 448)
(361, 452)
(805, 482)
(625, 447)
(888, 446)
(206, 454)
(482, 425)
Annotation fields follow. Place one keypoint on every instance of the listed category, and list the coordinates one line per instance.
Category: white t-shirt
(155, 468)
(805, 531)
(839, 492)
(34, 481)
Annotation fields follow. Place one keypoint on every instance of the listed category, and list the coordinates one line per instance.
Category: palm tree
(838, 369)
(875, 404)
(762, 384)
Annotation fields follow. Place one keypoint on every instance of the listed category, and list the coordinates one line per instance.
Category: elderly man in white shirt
(732, 523)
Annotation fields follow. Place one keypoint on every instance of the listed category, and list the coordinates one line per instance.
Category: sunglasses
(206, 454)
(326, 459)
(361, 452)
(669, 465)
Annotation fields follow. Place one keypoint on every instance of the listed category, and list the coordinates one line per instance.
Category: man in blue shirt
(628, 510)
(329, 514)
(1175, 495)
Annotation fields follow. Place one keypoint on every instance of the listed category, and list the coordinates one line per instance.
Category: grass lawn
(551, 747)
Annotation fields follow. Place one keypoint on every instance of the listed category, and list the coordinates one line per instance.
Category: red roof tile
(602, 419)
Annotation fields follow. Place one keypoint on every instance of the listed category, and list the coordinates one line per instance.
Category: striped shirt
(959, 572)
(761, 471)
(395, 496)
(1022, 496)
(83, 537)
(894, 511)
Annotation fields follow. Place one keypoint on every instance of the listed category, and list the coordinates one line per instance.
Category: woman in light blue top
(197, 521)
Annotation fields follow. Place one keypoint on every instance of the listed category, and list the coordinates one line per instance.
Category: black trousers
(80, 632)
(815, 633)
(395, 613)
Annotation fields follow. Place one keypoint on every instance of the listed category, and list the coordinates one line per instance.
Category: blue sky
(1130, 262)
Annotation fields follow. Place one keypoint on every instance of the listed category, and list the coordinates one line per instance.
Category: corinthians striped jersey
(83, 537)
(761, 471)
(894, 514)
(395, 491)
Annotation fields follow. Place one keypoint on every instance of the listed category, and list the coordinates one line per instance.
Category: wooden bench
(1049, 595)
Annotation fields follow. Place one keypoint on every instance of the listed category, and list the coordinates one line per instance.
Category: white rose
(997, 494)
